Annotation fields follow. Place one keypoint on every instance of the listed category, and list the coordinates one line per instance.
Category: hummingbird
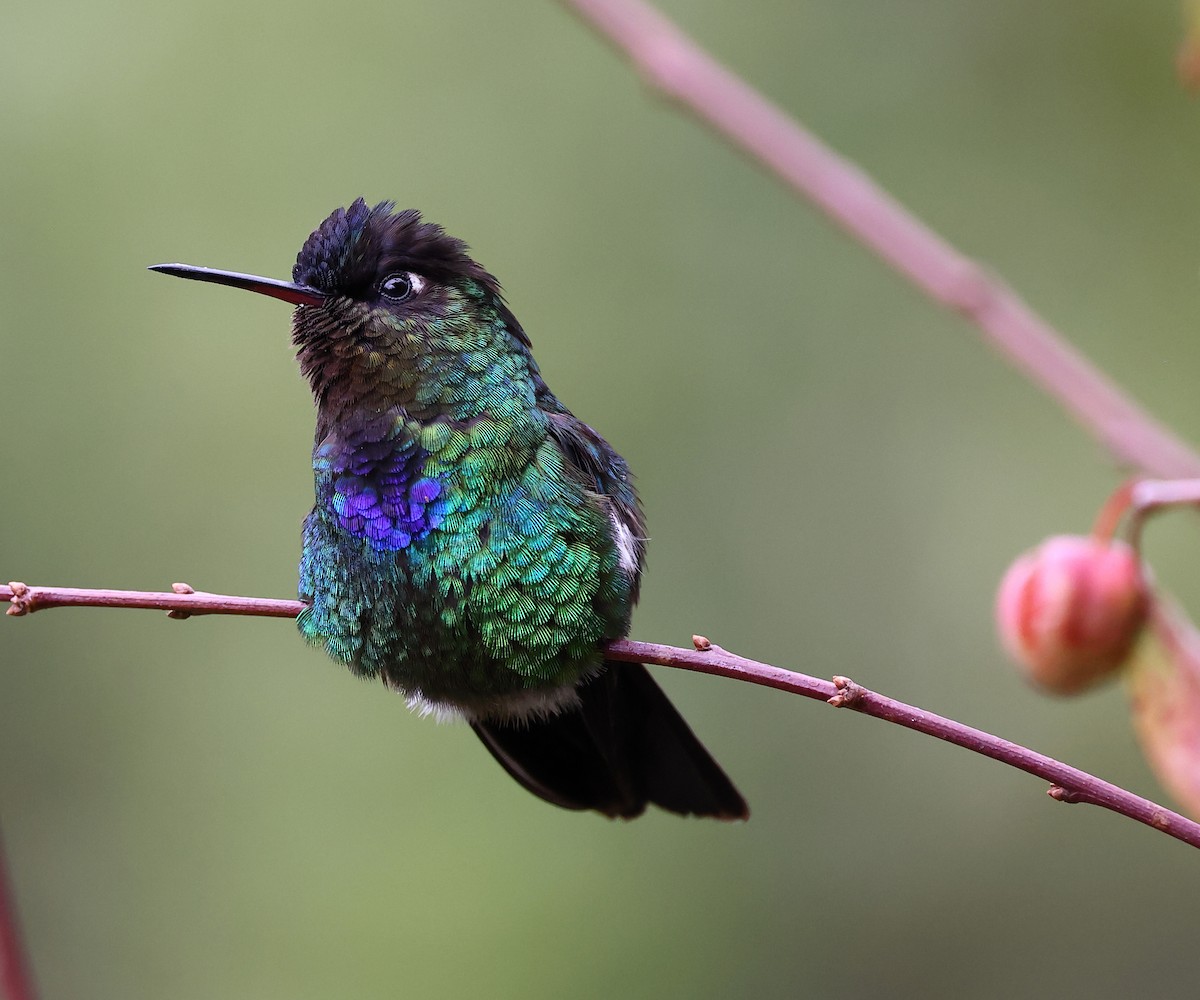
(473, 544)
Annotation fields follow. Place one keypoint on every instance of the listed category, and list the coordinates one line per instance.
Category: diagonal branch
(1068, 784)
(16, 981)
(676, 66)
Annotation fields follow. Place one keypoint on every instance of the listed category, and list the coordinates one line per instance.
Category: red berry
(1070, 610)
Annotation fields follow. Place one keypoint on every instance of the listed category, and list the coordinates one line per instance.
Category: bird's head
(386, 304)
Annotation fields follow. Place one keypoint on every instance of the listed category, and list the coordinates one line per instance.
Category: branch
(673, 64)
(16, 983)
(182, 602)
(1068, 784)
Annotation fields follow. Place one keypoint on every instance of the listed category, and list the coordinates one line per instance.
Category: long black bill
(289, 291)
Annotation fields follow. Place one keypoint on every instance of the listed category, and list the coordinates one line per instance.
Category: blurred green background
(836, 474)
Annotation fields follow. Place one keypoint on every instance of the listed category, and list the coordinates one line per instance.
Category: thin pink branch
(182, 602)
(1069, 784)
(16, 981)
(675, 65)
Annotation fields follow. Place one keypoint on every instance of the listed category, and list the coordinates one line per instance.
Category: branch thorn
(848, 693)
(181, 588)
(1061, 793)
(21, 603)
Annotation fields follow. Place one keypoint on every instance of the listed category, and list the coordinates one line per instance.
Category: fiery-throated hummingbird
(473, 543)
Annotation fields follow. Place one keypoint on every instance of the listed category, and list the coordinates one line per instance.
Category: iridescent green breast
(460, 562)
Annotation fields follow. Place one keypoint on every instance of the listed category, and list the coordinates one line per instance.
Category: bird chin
(524, 706)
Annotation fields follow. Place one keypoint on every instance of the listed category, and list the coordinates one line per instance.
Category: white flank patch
(626, 547)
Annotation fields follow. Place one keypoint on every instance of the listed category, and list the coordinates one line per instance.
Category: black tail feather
(624, 747)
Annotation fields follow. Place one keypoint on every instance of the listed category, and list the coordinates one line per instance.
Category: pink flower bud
(1069, 611)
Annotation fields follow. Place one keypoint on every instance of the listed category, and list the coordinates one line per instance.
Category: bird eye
(400, 286)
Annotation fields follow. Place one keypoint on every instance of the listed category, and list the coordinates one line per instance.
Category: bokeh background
(836, 474)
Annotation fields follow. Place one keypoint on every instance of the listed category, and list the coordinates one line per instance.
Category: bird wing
(602, 471)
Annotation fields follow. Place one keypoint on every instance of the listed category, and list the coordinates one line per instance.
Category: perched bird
(473, 543)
